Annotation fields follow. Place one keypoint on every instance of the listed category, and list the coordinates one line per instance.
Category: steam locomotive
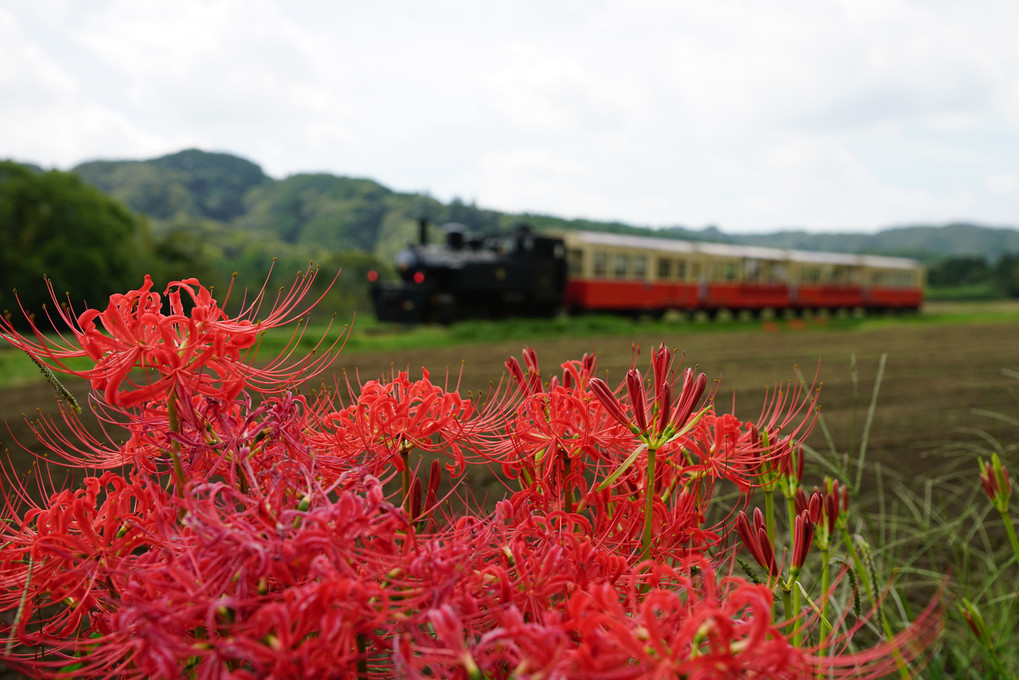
(515, 273)
(523, 273)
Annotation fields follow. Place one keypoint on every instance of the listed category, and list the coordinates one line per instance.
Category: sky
(750, 116)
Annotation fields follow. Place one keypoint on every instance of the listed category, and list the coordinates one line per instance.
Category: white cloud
(749, 115)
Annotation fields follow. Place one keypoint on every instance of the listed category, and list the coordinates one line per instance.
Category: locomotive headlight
(405, 260)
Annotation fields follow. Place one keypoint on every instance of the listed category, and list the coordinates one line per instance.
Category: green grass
(934, 533)
(976, 291)
(367, 335)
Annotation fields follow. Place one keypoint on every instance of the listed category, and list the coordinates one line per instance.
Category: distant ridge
(334, 212)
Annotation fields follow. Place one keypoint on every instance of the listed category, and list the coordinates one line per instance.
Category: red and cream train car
(621, 273)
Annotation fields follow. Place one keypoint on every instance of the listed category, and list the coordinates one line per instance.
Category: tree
(1006, 274)
(53, 224)
(960, 271)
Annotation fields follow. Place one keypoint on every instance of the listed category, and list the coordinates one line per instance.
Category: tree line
(972, 276)
(54, 225)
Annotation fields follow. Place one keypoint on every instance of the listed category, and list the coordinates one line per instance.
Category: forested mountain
(190, 183)
(924, 242)
(328, 212)
(209, 215)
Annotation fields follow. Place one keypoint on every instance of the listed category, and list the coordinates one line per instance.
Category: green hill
(189, 183)
(923, 242)
(324, 212)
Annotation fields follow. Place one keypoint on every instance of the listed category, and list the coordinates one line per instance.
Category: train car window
(751, 270)
(680, 270)
(893, 278)
(695, 270)
(810, 274)
(575, 261)
(664, 268)
(601, 263)
(620, 264)
(639, 266)
(723, 271)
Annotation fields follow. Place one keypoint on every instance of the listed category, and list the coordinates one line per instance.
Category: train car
(640, 274)
(523, 273)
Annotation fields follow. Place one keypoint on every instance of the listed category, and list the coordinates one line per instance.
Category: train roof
(600, 238)
(738, 251)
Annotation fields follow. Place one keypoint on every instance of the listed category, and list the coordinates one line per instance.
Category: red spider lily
(794, 405)
(269, 584)
(531, 382)
(203, 351)
(755, 538)
(824, 508)
(554, 438)
(996, 482)
(389, 418)
(803, 536)
(670, 419)
(70, 551)
(279, 555)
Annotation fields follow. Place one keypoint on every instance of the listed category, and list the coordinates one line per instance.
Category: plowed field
(935, 374)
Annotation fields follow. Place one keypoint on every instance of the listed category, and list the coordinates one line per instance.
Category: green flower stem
(825, 585)
(769, 513)
(1010, 530)
(567, 491)
(649, 498)
(405, 458)
(174, 422)
(790, 506)
(798, 625)
(769, 523)
(787, 597)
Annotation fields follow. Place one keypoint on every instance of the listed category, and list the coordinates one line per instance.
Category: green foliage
(927, 243)
(324, 211)
(320, 210)
(190, 183)
(54, 224)
(973, 277)
(471, 216)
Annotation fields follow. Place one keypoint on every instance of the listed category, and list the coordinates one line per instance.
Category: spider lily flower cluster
(248, 529)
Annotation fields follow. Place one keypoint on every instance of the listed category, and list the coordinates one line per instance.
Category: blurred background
(206, 138)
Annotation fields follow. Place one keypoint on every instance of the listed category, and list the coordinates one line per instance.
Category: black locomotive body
(470, 275)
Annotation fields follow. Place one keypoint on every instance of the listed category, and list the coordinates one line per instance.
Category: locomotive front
(469, 275)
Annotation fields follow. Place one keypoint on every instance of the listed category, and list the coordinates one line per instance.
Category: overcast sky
(748, 115)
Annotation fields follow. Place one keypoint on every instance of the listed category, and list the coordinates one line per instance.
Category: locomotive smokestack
(422, 230)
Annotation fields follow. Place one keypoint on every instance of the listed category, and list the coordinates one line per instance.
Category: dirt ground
(934, 376)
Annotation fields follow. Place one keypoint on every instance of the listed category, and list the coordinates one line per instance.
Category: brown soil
(934, 376)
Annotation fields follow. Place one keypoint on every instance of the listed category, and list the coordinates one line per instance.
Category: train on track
(525, 273)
